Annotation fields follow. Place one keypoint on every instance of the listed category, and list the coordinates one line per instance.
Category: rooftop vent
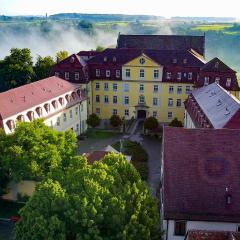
(219, 102)
(227, 112)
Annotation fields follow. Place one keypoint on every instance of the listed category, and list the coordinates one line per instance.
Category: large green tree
(43, 67)
(150, 123)
(35, 149)
(103, 201)
(93, 120)
(17, 68)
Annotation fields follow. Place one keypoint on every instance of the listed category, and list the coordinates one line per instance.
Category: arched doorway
(141, 114)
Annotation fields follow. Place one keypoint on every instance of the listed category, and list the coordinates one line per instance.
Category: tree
(35, 149)
(176, 123)
(100, 48)
(17, 68)
(106, 200)
(93, 120)
(61, 55)
(43, 67)
(151, 123)
(115, 121)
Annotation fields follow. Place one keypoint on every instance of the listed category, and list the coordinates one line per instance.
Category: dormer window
(190, 76)
(74, 96)
(76, 76)
(216, 64)
(206, 81)
(174, 60)
(61, 100)
(72, 59)
(67, 98)
(168, 75)
(108, 73)
(56, 74)
(97, 72)
(179, 76)
(105, 59)
(30, 115)
(228, 82)
(217, 80)
(185, 61)
(117, 73)
(11, 124)
(114, 59)
(55, 104)
(20, 118)
(39, 111)
(66, 75)
(47, 107)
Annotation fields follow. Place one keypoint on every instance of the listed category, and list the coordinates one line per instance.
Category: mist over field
(48, 37)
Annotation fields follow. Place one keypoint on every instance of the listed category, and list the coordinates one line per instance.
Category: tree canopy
(35, 149)
(93, 120)
(43, 67)
(151, 123)
(61, 55)
(176, 123)
(103, 201)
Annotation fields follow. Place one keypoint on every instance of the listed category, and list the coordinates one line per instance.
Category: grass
(212, 27)
(101, 134)
(9, 208)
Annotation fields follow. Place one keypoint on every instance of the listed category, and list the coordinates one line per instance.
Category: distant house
(61, 104)
(99, 155)
(200, 181)
(212, 107)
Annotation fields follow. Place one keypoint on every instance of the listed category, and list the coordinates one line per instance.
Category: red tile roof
(22, 98)
(212, 235)
(200, 172)
(162, 42)
(216, 65)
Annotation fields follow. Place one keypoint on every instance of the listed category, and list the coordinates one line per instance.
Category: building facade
(61, 104)
(199, 181)
(143, 76)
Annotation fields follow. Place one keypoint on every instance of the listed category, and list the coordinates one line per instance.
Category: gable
(142, 61)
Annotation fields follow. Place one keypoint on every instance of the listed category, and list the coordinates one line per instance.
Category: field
(212, 27)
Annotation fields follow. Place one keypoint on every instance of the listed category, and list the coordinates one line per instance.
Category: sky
(166, 8)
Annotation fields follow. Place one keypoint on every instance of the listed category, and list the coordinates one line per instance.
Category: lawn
(100, 134)
(212, 27)
(9, 208)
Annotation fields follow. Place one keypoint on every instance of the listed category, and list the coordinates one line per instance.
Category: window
(56, 74)
(58, 121)
(76, 110)
(184, 60)
(155, 88)
(76, 76)
(170, 102)
(180, 228)
(141, 60)
(156, 74)
(97, 72)
(67, 75)
(108, 73)
(126, 87)
(141, 99)
(61, 100)
(70, 113)
(155, 101)
(81, 107)
(206, 81)
(174, 60)
(170, 89)
(64, 117)
(141, 88)
(11, 124)
(55, 104)
(155, 114)
(114, 111)
(117, 73)
(190, 76)
(170, 115)
(39, 111)
(105, 86)
(179, 76)
(47, 107)
(97, 86)
(126, 100)
(179, 103)
(77, 127)
(128, 73)
(126, 112)
(97, 110)
(228, 82)
(97, 98)
(168, 75)
(141, 73)
(21, 118)
(114, 99)
(179, 89)
(217, 80)
(114, 87)
(106, 100)
(188, 89)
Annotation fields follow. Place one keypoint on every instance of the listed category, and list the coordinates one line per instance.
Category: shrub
(115, 121)
(151, 123)
(176, 123)
(93, 120)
